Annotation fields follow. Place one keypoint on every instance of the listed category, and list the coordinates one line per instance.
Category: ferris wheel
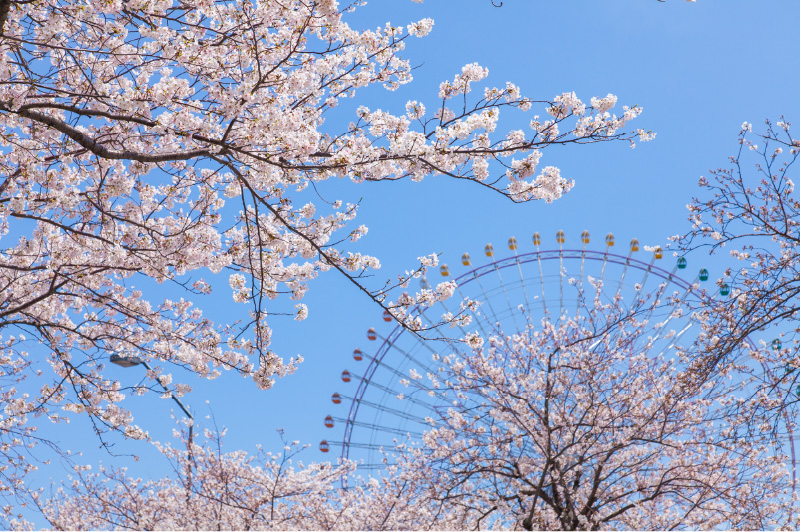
(372, 411)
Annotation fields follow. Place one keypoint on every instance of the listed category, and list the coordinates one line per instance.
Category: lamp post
(128, 362)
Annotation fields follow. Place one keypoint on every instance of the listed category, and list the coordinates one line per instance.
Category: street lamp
(129, 362)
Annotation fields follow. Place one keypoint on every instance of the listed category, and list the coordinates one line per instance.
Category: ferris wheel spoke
(580, 300)
(357, 445)
(561, 275)
(634, 247)
(437, 326)
(791, 438)
(508, 301)
(512, 244)
(647, 271)
(675, 339)
(406, 354)
(450, 343)
(382, 428)
(391, 369)
(609, 242)
(653, 306)
(394, 393)
(476, 318)
(581, 291)
(669, 318)
(603, 269)
(486, 298)
(522, 281)
(541, 280)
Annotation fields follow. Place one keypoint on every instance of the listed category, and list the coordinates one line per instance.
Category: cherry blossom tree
(751, 211)
(169, 141)
(598, 420)
(211, 489)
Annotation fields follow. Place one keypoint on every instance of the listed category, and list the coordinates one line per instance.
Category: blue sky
(698, 69)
